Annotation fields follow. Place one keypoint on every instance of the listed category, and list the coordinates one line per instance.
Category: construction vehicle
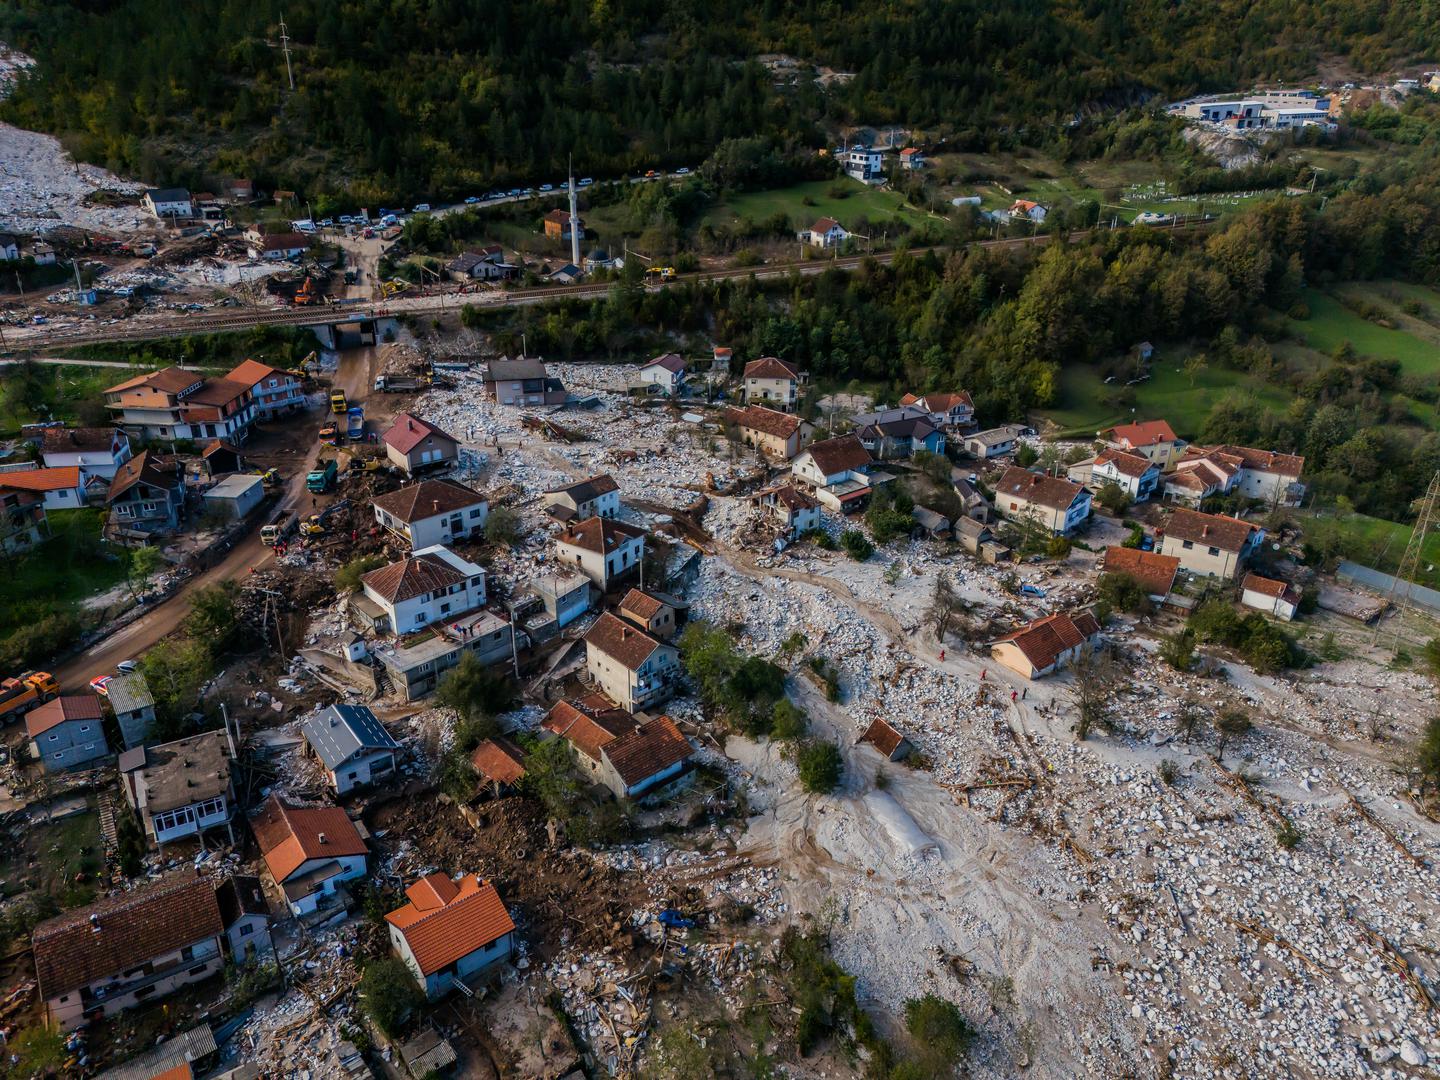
(308, 294)
(302, 370)
(338, 404)
(394, 286)
(272, 534)
(314, 525)
(322, 478)
(330, 434)
(660, 273)
(355, 423)
(19, 695)
(270, 478)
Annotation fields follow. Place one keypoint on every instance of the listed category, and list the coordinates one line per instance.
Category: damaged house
(838, 471)
(181, 788)
(146, 496)
(595, 496)
(779, 436)
(1046, 645)
(603, 550)
(310, 851)
(631, 758)
(450, 931)
(351, 745)
(632, 668)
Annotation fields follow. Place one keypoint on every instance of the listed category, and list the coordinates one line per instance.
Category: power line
(285, 48)
(1409, 567)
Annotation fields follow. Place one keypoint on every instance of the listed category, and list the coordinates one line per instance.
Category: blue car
(471, 200)
(1032, 590)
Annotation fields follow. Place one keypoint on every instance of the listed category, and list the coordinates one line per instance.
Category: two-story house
(310, 851)
(431, 512)
(898, 433)
(181, 788)
(128, 949)
(162, 203)
(864, 163)
(1054, 504)
(772, 382)
(665, 374)
(837, 470)
(632, 759)
(1151, 439)
(1210, 544)
(432, 585)
(565, 595)
(178, 404)
(23, 523)
(944, 410)
(413, 444)
(779, 436)
(146, 496)
(596, 496)
(67, 732)
(273, 391)
(1137, 476)
(1199, 474)
(1265, 475)
(451, 931)
(61, 488)
(94, 451)
(602, 549)
(634, 670)
(134, 707)
(655, 613)
(351, 745)
(788, 511)
(523, 381)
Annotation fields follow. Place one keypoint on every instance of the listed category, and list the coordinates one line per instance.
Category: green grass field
(859, 201)
(1331, 323)
(1378, 543)
(68, 392)
(60, 859)
(1167, 395)
(73, 565)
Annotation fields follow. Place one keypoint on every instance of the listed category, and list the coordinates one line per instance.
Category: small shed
(236, 495)
(887, 740)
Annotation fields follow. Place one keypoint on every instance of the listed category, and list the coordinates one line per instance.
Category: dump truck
(322, 478)
(272, 534)
(400, 384)
(19, 695)
(355, 423)
(338, 404)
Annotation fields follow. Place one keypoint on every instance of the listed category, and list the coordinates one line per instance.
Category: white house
(994, 442)
(602, 549)
(837, 470)
(9, 247)
(1138, 477)
(595, 496)
(1270, 596)
(635, 670)
(351, 745)
(181, 788)
(94, 451)
(1047, 644)
(864, 163)
(450, 931)
(62, 488)
(164, 203)
(432, 585)
(944, 410)
(631, 758)
(309, 851)
(665, 374)
(1031, 211)
(825, 233)
(431, 512)
(1053, 503)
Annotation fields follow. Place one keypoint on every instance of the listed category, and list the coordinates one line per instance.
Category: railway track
(38, 339)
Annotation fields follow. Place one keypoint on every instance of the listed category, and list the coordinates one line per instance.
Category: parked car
(327, 223)
(471, 200)
(126, 667)
(684, 170)
(421, 208)
(1032, 590)
(586, 181)
(547, 187)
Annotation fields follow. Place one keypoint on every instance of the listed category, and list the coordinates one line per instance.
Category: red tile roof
(54, 479)
(640, 604)
(499, 759)
(1212, 530)
(1144, 433)
(1132, 465)
(290, 836)
(73, 440)
(427, 499)
(589, 731)
(413, 577)
(938, 402)
(72, 951)
(619, 640)
(671, 362)
(824, 224)
(1264, 586)
(1155, 572)
(770, 367)
(251, 372)
(409, 432)
(1043, 640)
(1052, 491)
(445, 920)
(766, 421)
(883, 737)
(841, 454)
(648, 750)
(600, 535)
(53, 713)
(1266, 460)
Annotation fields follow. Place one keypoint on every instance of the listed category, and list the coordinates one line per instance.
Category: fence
(1420, 595)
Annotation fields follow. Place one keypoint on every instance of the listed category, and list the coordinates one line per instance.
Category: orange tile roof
(56, 479)
(650, 749)
(641, 604)
(251, 372)
(500, 760)
(1127, 464)
(1043, 640)
(290, 836)
(1213, 530)
(772, 367)
(616, 638)
(1264, 586)
(56, 712)
(600, 535)
(1155, 572)
(1144, 433)
(588, 732)
(445, 920)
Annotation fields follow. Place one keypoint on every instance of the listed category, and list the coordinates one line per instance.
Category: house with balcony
(416, 664)
(310, 851)
(351, 745)
(23, 523)
(181, 789)
(1137, 476)
(430, 512)
(1264, 475)
(943, 410)
(665, 374)
(1057, 505)
(602, 549)
(1153, 440)
(128, 949)
(778, 435)
(864, 163)
(177, 404)
(96, 452)
(432, 585)
(413, 444)
(772, 382)
(146, 496)
(633, 669)
(1212, 545)
(274, 392)
(837, 471)
(898, 433)
(451, 931)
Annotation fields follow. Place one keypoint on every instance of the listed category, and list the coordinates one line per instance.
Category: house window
(187, 953)
(53, 736)
(475, 513)
(1186, 544)
(199, 969)
(1214, 551)
(246, 930)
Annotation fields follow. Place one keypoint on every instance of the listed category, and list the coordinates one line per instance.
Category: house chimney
(434, 506)
(410, 423)
(94, 923)
(1204, 530)
(321, 838)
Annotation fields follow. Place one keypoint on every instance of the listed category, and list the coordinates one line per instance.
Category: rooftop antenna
(285, 48)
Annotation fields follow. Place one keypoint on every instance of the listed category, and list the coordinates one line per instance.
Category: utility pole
(1426, 520)
(285, 48)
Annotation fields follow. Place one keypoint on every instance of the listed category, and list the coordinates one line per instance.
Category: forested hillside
(403, 97)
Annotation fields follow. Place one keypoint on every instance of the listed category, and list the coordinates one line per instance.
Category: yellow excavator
(312, 526)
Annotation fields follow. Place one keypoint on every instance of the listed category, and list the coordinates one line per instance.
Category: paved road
(142, 328)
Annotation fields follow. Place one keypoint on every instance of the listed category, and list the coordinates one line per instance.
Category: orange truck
(18, 696)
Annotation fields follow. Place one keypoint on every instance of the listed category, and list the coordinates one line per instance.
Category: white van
(304, 225)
